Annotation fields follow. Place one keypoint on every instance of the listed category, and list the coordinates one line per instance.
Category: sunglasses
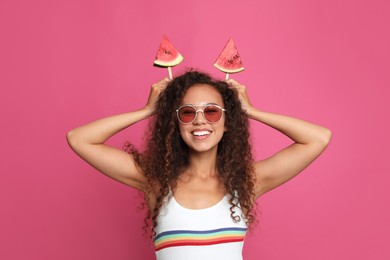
(188, 113)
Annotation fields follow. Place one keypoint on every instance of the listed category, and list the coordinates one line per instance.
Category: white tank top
(199, 234)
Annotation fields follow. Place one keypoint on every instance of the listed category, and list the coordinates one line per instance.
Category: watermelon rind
(229, 60)
(231, 71)
(167, 55)
(172, 63)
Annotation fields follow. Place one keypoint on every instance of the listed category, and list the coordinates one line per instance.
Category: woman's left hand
(242, 95)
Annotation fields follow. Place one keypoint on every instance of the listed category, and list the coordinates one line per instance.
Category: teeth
(200, 133)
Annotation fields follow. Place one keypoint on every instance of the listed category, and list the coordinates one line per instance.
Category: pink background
(65, 63)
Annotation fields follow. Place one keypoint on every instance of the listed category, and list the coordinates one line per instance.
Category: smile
(201, 133)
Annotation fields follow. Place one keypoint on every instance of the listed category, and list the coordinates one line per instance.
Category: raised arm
(88, 142)
(310, 141)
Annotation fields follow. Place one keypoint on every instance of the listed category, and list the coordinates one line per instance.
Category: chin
(202, 149)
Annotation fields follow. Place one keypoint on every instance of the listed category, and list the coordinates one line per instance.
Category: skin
(310, 141)
(200, 95)
(198, 187)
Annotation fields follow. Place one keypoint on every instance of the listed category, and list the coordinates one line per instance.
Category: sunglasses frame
(200, 110)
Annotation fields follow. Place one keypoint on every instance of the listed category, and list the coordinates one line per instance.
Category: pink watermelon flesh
(229, 61)
(167, 54)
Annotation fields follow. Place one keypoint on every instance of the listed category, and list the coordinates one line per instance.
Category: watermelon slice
(229, 61)
(167, 54)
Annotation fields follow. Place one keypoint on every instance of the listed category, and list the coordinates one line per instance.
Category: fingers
(155, 91)
(242, 95)
(235, 84)
(162, 84)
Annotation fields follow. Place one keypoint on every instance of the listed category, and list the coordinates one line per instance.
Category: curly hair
(159, 162)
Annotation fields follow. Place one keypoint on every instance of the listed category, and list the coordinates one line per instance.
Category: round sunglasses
(188, 113)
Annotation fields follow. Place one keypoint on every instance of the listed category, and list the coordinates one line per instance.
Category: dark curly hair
(159, 162)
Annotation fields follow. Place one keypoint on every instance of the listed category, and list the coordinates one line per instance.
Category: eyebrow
(201, 105)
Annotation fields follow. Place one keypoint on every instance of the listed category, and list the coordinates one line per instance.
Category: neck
(203, 164)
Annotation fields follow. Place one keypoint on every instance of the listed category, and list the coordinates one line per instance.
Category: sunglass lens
(212, 113)
(186, 114)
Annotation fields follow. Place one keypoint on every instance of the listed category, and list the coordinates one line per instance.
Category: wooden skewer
(227, 76)
(170, 72)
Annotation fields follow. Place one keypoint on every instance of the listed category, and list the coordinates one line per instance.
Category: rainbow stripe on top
(198, 238)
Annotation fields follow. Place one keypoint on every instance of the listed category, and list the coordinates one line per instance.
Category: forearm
(99, 131)
(298, 130)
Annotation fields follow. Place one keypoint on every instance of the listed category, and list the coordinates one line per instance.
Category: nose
(199, 119)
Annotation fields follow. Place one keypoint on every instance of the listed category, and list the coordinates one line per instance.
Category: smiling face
(201, 135)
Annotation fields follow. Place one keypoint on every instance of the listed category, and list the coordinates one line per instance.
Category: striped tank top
(199, 234)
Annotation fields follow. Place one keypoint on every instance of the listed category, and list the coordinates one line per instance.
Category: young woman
(197, 173)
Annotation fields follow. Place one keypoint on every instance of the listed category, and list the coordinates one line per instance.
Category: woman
(197, 173)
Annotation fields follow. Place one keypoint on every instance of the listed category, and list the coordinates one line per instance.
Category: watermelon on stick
(167, 56)
(229, 61)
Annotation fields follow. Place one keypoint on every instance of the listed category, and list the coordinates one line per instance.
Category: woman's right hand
(154, 94)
